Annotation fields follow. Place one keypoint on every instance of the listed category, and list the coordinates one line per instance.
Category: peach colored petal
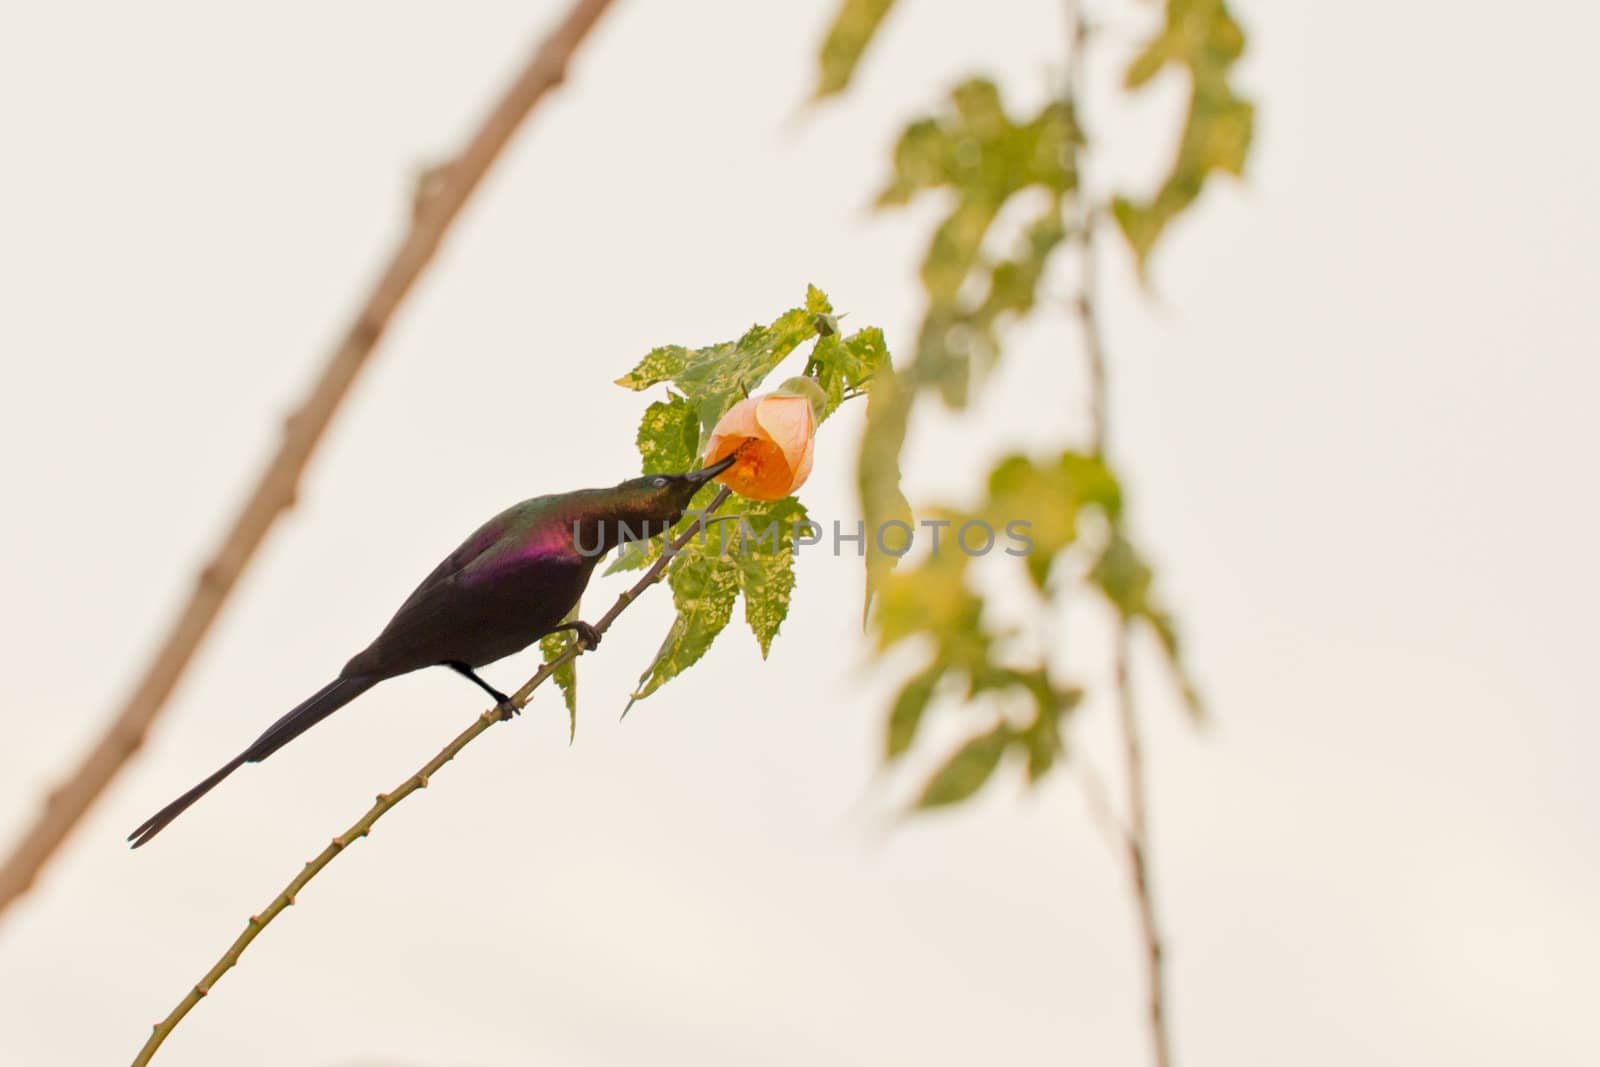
(802, 470)
(773, 436)
(737, 425)
(740, 420)
(787, 420)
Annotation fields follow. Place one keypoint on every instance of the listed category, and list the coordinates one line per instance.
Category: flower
(773, 435)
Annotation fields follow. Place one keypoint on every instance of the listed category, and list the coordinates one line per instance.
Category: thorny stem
(362, 826)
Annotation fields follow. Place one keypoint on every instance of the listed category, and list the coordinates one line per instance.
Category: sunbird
(516, 579)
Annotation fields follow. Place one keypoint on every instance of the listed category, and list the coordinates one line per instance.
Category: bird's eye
(658, 482)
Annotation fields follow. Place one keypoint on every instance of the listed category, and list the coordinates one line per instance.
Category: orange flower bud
(773, 436)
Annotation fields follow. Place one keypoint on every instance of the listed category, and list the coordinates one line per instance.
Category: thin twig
(439, 201)
(362, 826)
(1138, 849)
(1097, 798)
(1133, 836)
(1085, 304)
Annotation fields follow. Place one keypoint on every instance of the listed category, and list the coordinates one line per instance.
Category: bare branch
(362, 826)
(1138, 849)
(1132, 838)
(439, 201)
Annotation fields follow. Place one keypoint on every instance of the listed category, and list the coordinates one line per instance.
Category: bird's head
(652, 504)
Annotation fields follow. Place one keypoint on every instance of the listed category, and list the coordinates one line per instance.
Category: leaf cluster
(1072, 504)
(747, 551)
(1201, 39)
(979, 157)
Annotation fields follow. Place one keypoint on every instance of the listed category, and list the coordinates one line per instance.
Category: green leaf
(659, 365)
(1167, 637)
(1044, 501)
(852, 30)
(668, 436)
(978, 153)
(847, 365)
(1014, 283)
(1126, 581)
(1201, 37)
(705, 382)
(704, 587)
(714, 378)
(1042, 740)
(635, 556)
(909, 707)
(966, 771)
(566, 675)
(1124, 578)
(765, 558)
(878, 473)
(954, 248)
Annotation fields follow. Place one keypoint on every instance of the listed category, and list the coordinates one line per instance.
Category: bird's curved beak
(705, 474)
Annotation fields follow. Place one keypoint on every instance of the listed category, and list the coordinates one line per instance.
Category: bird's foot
(507, 710)
(588, 636)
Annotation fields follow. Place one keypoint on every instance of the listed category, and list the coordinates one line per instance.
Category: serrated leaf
(852, 30)
(765, 557)
(714, 378)
(968, 769)
(659, 365)
(668, 436)
(845, 365)
(704, 587)
(634, 556)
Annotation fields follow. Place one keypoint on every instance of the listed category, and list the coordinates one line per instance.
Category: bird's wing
(477, 545)
(428, 610)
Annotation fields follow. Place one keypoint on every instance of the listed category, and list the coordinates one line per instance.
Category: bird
(516, 579)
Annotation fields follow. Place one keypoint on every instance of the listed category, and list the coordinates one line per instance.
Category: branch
(439, 201)
(1137, 843)
(362, 826)
(1085, 303)
(1133, 839)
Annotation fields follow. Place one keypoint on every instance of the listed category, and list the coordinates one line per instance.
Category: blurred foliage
(979, 157)
(747, 550)
(847, 39)
(1201, 38)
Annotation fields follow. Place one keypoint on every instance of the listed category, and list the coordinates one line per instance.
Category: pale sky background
(1356, 418)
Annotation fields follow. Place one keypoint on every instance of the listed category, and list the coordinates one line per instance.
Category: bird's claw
(508, 710)
(588, 637)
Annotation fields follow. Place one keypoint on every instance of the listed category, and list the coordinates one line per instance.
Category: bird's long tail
(324, 702)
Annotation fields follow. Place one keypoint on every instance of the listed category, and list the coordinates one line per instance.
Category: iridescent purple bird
(512, 582)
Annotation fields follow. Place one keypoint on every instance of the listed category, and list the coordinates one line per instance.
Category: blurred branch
(439, 201)
(1137, 844)
(362, 826)
(1133, 836)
